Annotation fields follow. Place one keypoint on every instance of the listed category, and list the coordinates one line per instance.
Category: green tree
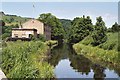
(99, 34)
(57, 32)
(81, 27)
(115, 27)
(66, 24)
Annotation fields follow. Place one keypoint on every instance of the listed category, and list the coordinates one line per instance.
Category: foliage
(115, 27)
(2, 23)
(105, 55)
(7, 30)
(52, 43)
(111, 43)
(13, 19)
(81, 27)
(57, 31)
(66, 24)
(26, 60)
(87, 40)
(41, 37)
(33, 38)
(99, 34)
(5, 35)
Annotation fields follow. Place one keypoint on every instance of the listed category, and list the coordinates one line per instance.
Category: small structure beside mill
(32, 27)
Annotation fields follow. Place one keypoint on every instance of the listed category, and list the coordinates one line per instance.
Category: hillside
(12, 19)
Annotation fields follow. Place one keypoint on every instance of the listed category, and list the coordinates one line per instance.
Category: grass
(97, 53)
(87, 41)
(110, 44)
(26, 60)
(13, 19)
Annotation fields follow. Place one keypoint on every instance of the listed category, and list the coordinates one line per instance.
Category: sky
(65, 10)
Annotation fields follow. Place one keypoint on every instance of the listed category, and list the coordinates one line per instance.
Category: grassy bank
(97, 53)
(110, 44)
(26, 60)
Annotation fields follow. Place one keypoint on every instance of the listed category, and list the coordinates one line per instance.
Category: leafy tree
(81, 27)
(5, 35)
(7, 30)
(99, 34)
(115, 27)
(66, 24)
(57, 32)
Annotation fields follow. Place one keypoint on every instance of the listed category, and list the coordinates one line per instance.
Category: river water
(69, 65)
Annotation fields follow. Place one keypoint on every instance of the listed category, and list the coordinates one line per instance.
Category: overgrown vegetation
(26, 60)
(98, 53)
(110, 44)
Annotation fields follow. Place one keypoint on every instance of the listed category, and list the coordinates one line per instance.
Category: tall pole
(33, 10)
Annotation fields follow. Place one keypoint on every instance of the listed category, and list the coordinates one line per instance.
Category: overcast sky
(66, 10)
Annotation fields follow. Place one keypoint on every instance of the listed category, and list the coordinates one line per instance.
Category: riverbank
(110, 56)
(26, 60)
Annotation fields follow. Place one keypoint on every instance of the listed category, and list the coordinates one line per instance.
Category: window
(23, 35)
(16, 35)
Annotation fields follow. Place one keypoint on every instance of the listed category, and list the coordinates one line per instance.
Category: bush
(41, 37)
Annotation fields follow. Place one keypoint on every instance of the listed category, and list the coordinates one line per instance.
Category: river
(70, 65)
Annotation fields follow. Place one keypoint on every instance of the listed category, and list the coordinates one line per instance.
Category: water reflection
(69, 65)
